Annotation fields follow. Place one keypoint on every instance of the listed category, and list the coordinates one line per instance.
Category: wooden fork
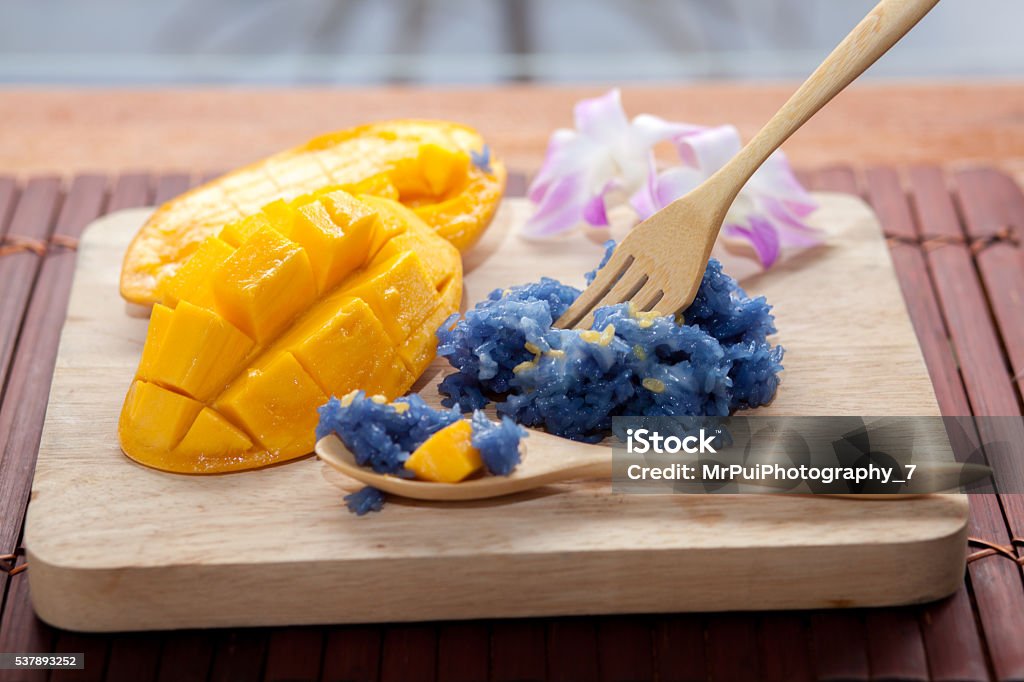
(660, 263)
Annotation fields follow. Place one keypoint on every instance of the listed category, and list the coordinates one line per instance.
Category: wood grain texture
(210, 529)
(177, 129)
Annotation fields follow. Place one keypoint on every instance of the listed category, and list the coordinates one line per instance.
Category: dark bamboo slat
(625, 648)
(239, 655)
(294, 655)
(997, 584)
(897, 646)
(32, 219)
(169, 186)
(186, 655)
(410, 653)
(463, 651)
(839, 646)
(24, 405)
(130, 190)
(783, 654)
(96, 649)
(572, 649)
(732, 647)
(133, 657)
(21, 631)
(518, 650)
(352, 653)
(8, 196)
(680, 647)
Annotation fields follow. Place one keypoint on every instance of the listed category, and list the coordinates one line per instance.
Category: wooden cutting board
(116, 546)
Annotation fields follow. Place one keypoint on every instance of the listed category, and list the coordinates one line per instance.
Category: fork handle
(870, 39)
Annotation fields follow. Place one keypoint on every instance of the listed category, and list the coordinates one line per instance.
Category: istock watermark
(818, 455)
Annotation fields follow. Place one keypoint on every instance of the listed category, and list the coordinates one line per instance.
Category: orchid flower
(608, 156)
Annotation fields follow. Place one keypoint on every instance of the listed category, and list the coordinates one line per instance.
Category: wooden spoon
(563, 460)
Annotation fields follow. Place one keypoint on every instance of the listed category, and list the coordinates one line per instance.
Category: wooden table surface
(935, 161)
(64, 131)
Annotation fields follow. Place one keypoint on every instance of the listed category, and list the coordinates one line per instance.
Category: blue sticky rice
(498, 443)
(714, 361)
(365, 500)
(382, 436)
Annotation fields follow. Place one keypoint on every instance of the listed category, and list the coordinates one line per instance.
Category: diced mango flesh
(158, 418)
(191, 282)
(235, 383)
(197, 353)
(334, 252)
(350, 351)
(276, 404)
(399, 291)
(211, 435)
(448, 456)
(264, 285)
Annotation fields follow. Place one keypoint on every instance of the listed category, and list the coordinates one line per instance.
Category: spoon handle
(870, 39)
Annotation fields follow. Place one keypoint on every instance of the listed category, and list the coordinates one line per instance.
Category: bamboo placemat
(956, 244)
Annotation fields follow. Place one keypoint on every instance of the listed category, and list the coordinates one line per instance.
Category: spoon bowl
(563, 460)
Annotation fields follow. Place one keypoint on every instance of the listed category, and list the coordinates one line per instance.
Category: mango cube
(191, 282)
(393, 221)
(199, 352)
(159, 320)
(238, 232)
(336, 233)
(277, 405)
(399, 292)
(448, 456)
(420, 348)
(158, 418)
(265, 284)
(350, 350)
(212, 435)
(281, 215)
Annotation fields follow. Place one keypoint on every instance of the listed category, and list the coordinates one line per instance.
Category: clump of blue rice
(713, 361)
(383, 435)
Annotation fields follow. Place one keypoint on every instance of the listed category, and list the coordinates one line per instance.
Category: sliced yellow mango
(334, 251)
(197, 353)
(191, 281)
(276, 404)
(426, 165)
(285, 322)
(157, 418)
(212, 436)
(399, 292)
(350, 351)
(448, 456)
(265, 283)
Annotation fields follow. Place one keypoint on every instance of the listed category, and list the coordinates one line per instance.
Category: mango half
(426, 165)
(302, 300)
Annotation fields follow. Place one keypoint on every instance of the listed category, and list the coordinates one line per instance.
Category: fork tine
(624, 289)
(649, 296)
(612, 272)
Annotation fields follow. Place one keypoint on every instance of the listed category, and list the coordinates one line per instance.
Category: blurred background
(282, 42)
